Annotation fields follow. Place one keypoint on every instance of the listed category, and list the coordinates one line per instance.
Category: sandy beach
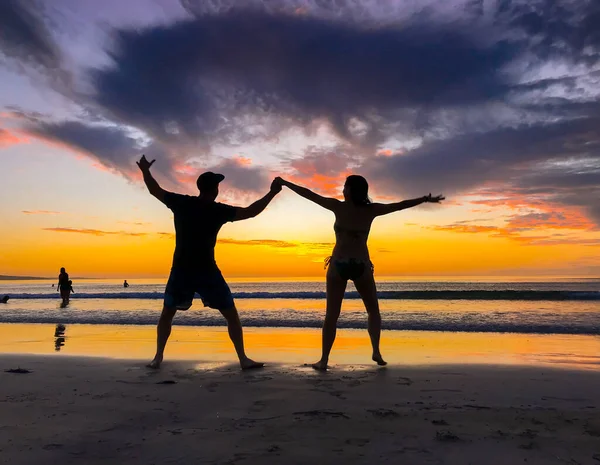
(67, 409)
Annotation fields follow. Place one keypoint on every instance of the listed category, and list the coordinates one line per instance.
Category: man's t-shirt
(197, 223)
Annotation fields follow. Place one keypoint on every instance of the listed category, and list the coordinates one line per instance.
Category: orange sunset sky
(510, 137)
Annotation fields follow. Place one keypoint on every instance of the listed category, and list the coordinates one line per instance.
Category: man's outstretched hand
(436, 199)
(144, 164)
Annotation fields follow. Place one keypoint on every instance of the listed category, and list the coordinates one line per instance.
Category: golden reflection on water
(298, 346)
(349, 305)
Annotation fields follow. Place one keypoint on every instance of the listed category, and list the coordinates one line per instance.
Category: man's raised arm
(257, 207)
(151, 183)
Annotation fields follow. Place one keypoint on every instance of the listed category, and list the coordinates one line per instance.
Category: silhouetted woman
(350, 258)
(64, 286)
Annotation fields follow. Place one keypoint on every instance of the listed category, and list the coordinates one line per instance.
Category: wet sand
(64, 409)
(302, 345)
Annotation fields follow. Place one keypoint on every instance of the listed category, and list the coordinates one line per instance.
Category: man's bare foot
(155, 364)
(321, 365)
(249, 364)
(379, 360)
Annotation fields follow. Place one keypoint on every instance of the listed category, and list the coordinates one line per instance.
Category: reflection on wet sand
(59, 337)
(299, 346)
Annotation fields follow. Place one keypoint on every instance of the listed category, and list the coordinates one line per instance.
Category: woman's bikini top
(356, 233)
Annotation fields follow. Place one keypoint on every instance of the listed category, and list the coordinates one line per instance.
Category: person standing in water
(125, 284)
(350, 257)
(64, 286)
(198, 220)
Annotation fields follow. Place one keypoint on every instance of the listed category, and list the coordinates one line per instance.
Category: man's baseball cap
(209, 180)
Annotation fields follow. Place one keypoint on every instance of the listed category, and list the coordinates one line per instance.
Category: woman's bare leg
(365, 285)
(336, 286)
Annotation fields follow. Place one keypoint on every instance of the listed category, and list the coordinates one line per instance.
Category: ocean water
(560, 306)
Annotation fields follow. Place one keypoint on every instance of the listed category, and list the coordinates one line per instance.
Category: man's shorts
(207, 282)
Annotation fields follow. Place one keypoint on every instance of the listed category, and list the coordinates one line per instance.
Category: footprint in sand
(212, 387)
(446, 436)
(441, 390)
(528, 433)
(258, 406)
(19, 371)
(439, 422)
(52, 446)
(274, 448)
(528, 446)
(384, 413)
(323, 414)
(258, 379)
(592, 431)
(360, 442)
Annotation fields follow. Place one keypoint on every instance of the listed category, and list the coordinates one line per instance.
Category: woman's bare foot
(379, 359)
(155, 364)
(249, 364)
(321, 365)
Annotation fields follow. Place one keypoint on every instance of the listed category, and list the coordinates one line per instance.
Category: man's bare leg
(163, 331)
(236, 334)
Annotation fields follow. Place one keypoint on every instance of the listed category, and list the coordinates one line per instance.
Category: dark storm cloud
(555, 28)
(242, 176)
(570, 188)
(227, 75)
(25, 37)
(186, 78)
(560, 162)
(116, 149)
(113, 147)
(464, 162)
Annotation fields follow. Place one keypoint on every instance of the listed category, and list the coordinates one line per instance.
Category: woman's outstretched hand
(436, 199)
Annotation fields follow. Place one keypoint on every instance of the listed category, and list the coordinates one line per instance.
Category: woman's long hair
(358, 188)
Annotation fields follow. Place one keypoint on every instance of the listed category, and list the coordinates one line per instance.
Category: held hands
(144, 164)
(436, 199)
(276, 185)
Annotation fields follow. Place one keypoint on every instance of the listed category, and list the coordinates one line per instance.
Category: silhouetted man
(197, 222)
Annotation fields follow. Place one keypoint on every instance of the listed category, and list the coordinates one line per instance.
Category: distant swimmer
(64, 285)
(4, 299)
(125, 284)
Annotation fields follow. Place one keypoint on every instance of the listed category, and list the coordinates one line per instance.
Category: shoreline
(115, 411)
